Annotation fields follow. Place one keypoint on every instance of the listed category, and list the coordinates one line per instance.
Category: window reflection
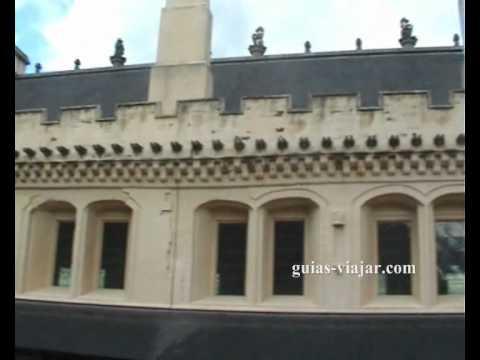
(450, 237)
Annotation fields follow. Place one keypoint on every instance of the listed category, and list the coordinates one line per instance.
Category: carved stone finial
(77, 64)
(118, 59)
(38, 68)
(308, 47)
(358, 43)
(456, 40)
(258, 48)
(407, 40)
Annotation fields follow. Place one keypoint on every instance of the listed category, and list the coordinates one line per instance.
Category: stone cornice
(298, 167)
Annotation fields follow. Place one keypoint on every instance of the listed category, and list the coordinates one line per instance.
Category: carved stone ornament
(118, 59)
(371, 142)
(407, 40)
(258, 48)
(358, 43)
(308, 47)
(416, 140)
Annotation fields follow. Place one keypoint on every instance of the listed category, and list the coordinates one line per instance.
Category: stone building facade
(152, 202)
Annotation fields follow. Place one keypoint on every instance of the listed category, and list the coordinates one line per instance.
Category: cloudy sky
(56, 32)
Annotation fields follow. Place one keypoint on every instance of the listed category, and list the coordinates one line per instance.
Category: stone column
(182, 70)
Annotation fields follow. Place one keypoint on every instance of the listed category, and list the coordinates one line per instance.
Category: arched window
(220, 250)
(449, 214)
(50, 250)
(106, 247)
(290, 230)
(391, 242)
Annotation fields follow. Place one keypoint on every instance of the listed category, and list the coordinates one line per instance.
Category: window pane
(231, 261)
(450, 257)
(289, 243)
(63, 256)
(394, 249)
(114, 251)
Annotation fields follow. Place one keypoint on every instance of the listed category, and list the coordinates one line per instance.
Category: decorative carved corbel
(46, 151)
(304, 143)
(136, 148)
(156, 147)
(81, 150)
(439, 140)
(238, 144)
(327, 143)
(29, 152)
(349, 142)
(416, 140)
(197, 146)
(282, 144)
(372, 142)
(176, 146)
(394, 141)
(99, 149)
(63, 151)
(217, 145)
(260, 144)
(117, 149)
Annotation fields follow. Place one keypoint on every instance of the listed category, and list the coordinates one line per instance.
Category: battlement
(267, 118)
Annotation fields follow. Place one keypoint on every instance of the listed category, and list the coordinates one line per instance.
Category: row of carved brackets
(239, 144)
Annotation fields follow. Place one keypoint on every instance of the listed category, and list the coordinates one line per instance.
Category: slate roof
(367, 72)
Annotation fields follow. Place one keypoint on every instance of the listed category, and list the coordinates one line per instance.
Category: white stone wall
(165, 191)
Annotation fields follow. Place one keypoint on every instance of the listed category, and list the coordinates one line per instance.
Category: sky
(56, 32)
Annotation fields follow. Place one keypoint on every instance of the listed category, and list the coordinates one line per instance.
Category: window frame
(392, 214)
(298, 211)
(66, 218)
(213, 271)
(445, 214)
(100, 219)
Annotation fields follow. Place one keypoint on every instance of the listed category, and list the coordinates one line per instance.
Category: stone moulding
(94, 112)
(317, 167)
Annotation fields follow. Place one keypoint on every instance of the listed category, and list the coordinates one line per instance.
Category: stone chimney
(182, 70)
(21, 61)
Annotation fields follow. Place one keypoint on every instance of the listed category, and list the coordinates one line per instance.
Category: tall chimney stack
(182, 70)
